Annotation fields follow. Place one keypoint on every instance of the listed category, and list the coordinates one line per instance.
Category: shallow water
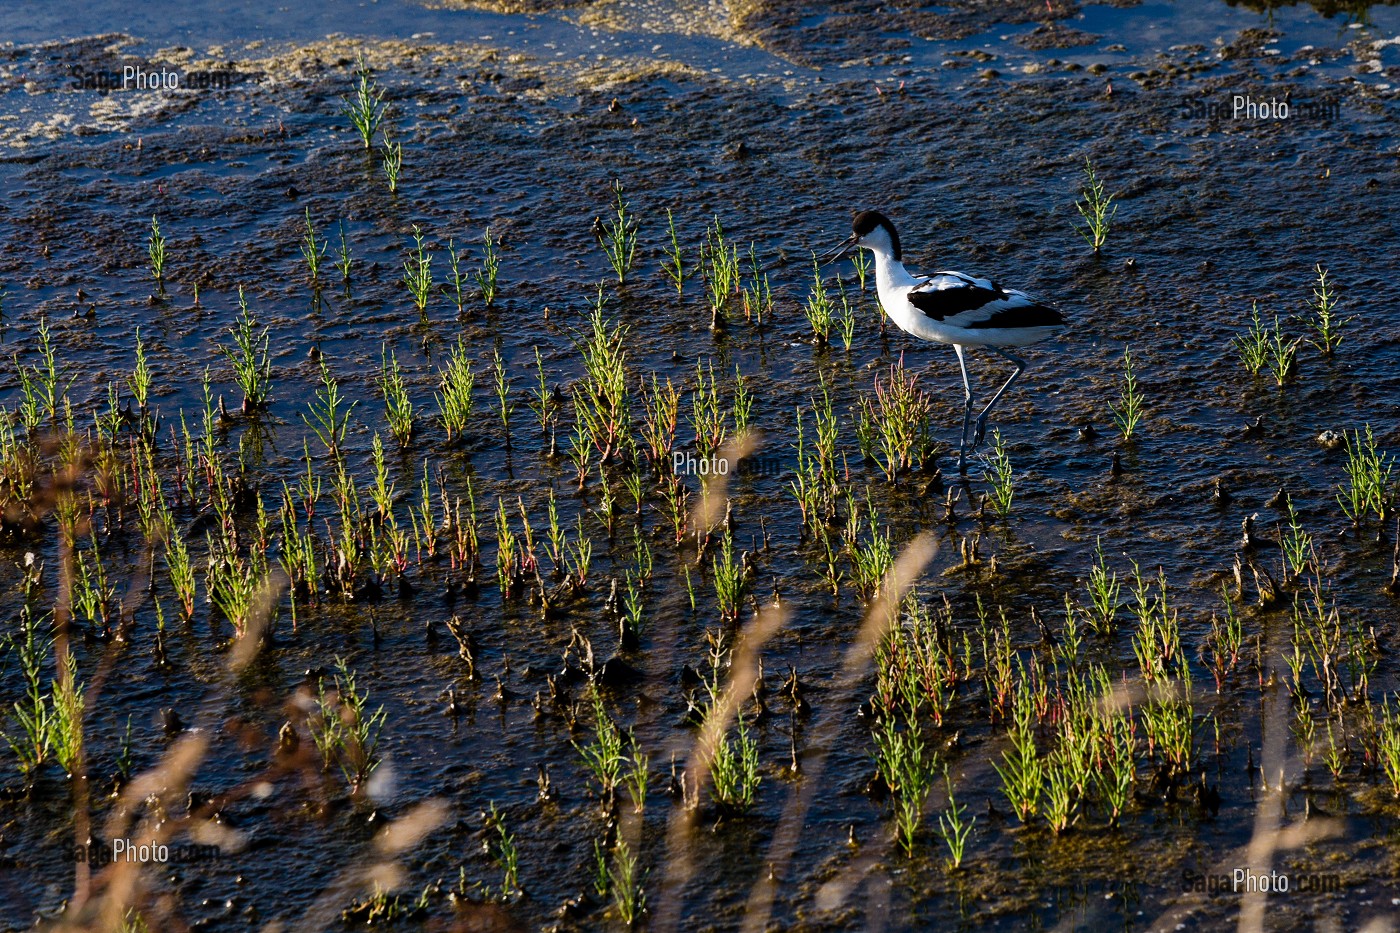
(974, 144)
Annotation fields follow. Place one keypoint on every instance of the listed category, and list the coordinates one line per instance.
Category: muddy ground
(977, 154)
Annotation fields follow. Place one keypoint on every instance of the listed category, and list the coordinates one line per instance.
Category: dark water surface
(974, 143)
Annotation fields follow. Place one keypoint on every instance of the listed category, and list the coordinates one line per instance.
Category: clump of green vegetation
(894, 427)
(490, 265)
(345, 732)
(999, 475)
(1096, 208)
(313, 249)
(907, 766)
(1326, 323)
(1128, 412)
(1104, 589)
(398, 407)
(1368, 471)
(252, 367)
(418, 273)
(734, 770)
(155, 248)
(820, 311)
(719, 261)
(619, 236)
(392, 162)
(366, 108)
(454, 395)
(1262, 347)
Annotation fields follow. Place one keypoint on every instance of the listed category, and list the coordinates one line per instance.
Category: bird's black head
(867, 222)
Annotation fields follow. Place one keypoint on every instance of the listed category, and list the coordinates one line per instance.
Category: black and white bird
(953, 308)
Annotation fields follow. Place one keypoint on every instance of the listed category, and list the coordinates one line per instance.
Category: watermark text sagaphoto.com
(154, 78)
(1248, 881)
(127, 850)
(1257, 110)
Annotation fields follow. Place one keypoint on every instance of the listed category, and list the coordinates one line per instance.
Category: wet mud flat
(488, 698)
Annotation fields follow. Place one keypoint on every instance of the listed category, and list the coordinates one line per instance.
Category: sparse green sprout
(847, 319)
(328, 421)
(1104, 590)
(366, 108)
(33, 742)
(345, 732)
(719, 262)
(155, 248)
(343, 260)
(502, 381)
(418, 273)
(953, 829)
(392, 161)
(490, 264)
(140, 381)
(1262, 347)
(619, 236)
(821, 313)
(313, 249)
(67, 720)
(1325, 322)
(252, 366)
(734, 770)
(907, 766)
(1128, 412)
(1253, 344)
(454, 396)
(504, 852)
(1282, 354)
(1096, 209)
(625, 879)
(758, 293)
(398, 407)
(998, 474)
(673, 266)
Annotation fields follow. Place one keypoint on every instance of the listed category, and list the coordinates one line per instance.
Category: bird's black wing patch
(947, 294)
(1014, 314)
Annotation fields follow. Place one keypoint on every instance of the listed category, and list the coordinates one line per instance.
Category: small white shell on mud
(1331, 439)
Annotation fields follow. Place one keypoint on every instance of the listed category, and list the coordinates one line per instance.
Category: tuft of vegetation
(1096, 209)
(366, 107)
(1128, 412)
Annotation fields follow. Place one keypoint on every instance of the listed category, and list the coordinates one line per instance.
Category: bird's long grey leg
(967, 410)
(982, 418)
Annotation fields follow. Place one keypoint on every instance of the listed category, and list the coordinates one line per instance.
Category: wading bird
(954, 308)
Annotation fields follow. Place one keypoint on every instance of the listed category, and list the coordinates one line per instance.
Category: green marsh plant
(366, 108)
(392, 162)
(1128, 412)
(454, 395)
(155, 249)
(418, 273)
(1368, 471)
(673, 263)
(490, 265)
(1326, 324)
(252, 366)
(399, 410)
(313, 249)
(999, 475)
(619, 236)
(1096, 209)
